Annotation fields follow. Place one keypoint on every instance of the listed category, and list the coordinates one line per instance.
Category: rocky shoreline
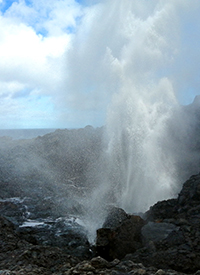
(19, 257)
(44, 183)
(166, 240)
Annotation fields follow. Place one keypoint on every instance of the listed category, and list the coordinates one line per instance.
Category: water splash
(132, 48)
(137, 166)
(143, 170)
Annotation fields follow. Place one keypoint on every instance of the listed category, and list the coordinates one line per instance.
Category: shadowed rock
(120, 234)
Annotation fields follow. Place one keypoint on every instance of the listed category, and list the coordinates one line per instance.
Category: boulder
(120, 234)
(171, 236)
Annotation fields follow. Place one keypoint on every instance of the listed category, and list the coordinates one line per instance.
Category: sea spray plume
(128, 49)
(136, 122)
(141, 169)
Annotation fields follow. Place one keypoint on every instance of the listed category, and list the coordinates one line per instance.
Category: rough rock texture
(154, 231)
(18, 254)
(99, 265)
(20, 257)
(177, 244)
(167, 238)
(120, 235)
(58, 169)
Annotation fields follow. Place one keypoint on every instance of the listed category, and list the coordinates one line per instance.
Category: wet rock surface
(168, 236)
(120, 235)
(172, 233)
(38, 236)
(63, 232)
(130, 244)
(19, 256)
(165, 241)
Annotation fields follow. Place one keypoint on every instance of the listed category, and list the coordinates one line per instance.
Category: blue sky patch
(28, 2)
(80, 1)
(6, 5)
(42, 32)
(70, 29)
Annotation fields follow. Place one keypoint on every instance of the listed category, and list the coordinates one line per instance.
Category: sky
(63, 61)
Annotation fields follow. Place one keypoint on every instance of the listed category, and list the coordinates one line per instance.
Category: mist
(129, 65)
(127, 60)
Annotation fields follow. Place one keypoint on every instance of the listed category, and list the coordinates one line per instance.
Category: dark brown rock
(116, 241)
(175, 246)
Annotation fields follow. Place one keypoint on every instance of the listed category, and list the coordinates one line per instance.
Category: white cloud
(28, 58)
(51, 17)
(20, 12)
(28, 61)
(118, 39)
(63, 16)
(141, 40)
(82, 69)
